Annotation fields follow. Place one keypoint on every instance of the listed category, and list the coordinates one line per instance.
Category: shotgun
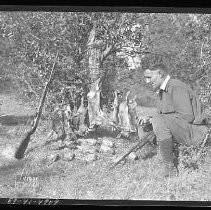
(146, 138)
(19, 153)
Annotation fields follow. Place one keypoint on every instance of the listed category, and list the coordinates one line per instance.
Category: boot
(166, 151)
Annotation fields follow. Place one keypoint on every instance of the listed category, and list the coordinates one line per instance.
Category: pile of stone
(87, 150)
(58, 145)
(83, 149)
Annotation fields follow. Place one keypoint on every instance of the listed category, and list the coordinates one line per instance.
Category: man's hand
(143, 120)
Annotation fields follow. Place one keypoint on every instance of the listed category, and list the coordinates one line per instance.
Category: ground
(35, 177)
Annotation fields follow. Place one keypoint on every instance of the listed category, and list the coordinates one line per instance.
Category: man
(180, 117)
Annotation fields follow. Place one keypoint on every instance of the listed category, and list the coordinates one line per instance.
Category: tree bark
(115, 118)
(94, 55)
(94, 105)
(94, 67)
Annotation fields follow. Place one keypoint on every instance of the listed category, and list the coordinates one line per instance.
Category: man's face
(153, 78)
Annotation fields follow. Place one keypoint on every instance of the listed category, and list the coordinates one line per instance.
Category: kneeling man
(180, 116)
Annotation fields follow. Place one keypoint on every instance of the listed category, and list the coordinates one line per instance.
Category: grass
(131, 180)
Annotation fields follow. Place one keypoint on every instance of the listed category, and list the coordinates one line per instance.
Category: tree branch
(201, 51)
(91, 36)
(105, 53)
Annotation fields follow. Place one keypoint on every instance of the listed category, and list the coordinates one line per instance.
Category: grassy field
(35, 177)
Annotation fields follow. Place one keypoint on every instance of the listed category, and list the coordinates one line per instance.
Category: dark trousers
(168, 126)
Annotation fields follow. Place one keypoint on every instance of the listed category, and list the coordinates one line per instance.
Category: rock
(87, 149)
(91, 142)
(132, 156)
(65, 150)
(79, 154)
(68, 155)
(57, 145)
(70, 144)
(108, 143)
(53, 146)
(90, 157)
(52, 135)
(106, 149)
(53, 157)
(85, 157)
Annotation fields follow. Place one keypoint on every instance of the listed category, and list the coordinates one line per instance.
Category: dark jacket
(179, 99)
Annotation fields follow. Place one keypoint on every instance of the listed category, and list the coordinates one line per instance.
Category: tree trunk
(115, 108)
(98, 52)
(94, 55)
(94, 105)
(94, 67)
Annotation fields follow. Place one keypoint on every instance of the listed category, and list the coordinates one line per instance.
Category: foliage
(30, 40)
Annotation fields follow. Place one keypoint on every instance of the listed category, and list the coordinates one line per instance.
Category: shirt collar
(163, 86)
